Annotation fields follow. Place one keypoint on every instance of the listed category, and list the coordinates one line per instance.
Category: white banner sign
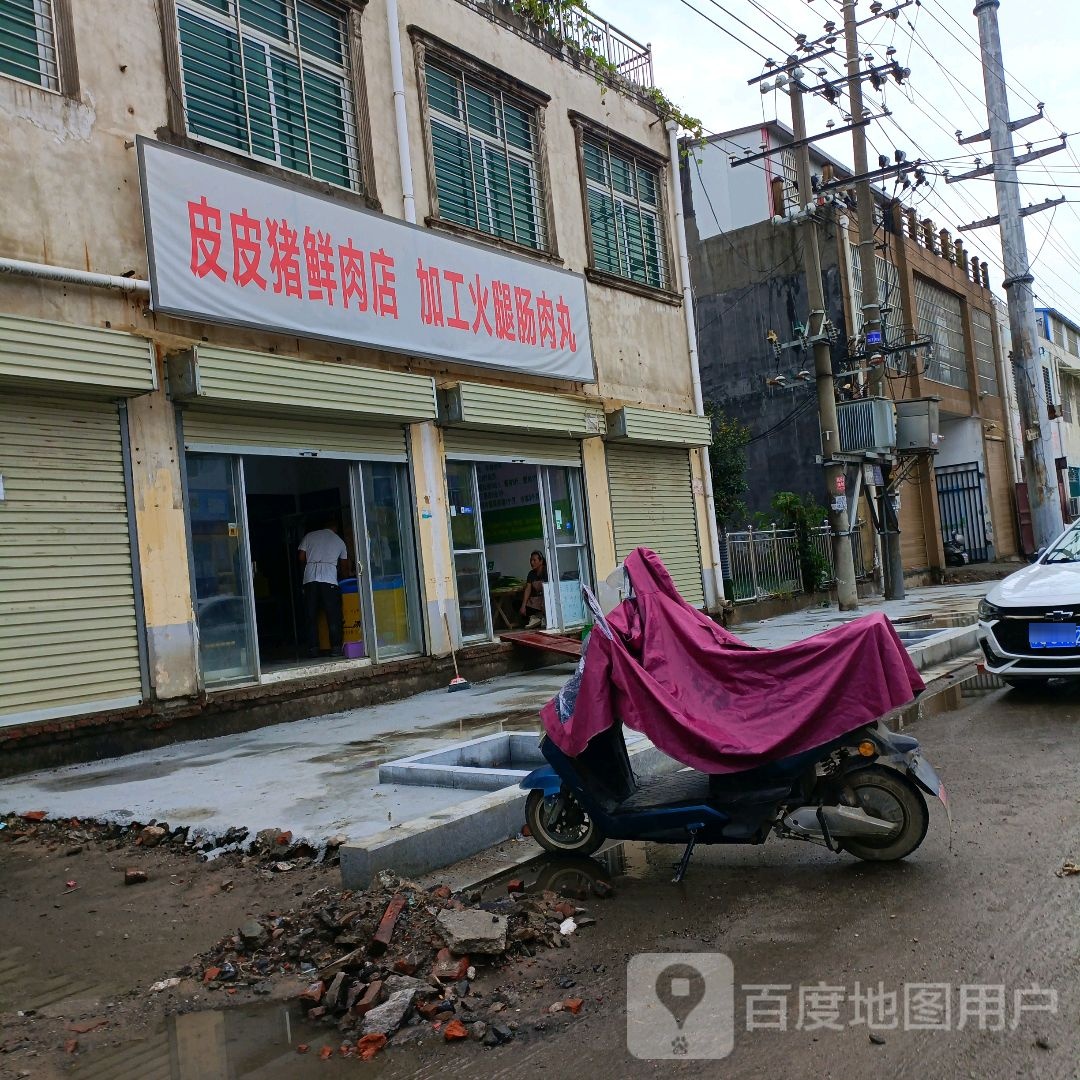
(229, 246)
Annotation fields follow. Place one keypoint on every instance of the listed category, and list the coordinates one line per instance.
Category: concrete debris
(164, 984)
(470, 931)
(385, 1019)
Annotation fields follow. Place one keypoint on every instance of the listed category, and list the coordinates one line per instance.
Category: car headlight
(988, 611)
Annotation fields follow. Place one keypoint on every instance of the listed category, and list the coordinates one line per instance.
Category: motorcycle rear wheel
(572, 832)
(884, 794)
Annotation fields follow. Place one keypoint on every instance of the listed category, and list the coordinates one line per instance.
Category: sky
(704, 70)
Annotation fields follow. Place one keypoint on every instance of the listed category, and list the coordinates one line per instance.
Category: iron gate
(960, 503)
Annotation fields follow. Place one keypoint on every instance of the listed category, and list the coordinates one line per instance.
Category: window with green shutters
(626, 225)
(28, 42)
(271, 78)
(486, 149)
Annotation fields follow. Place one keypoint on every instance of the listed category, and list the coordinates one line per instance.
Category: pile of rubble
(397, 956)
(271, 850)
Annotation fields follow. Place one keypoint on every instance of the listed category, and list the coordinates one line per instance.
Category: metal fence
(630, 58)
(760, 563)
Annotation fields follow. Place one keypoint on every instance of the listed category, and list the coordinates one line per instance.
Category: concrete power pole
(1039, 469)
(871, 311)
(843, 563)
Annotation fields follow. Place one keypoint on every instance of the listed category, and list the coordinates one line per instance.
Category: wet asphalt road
(986, 909)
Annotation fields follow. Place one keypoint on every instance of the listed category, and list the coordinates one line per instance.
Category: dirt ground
(82, 946)
(84, 950)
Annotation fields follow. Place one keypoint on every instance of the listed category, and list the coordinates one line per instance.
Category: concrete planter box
(485, 764)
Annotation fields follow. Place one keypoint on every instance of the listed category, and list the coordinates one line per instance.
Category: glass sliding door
(390, 571)
(568, 542)
(470, 562)
(223, 596)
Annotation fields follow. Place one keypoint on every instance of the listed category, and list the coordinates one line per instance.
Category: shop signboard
(230, 246)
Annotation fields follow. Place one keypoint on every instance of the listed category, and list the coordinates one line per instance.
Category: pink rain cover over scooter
(711, 701)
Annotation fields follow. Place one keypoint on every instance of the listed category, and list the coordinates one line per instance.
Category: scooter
(861, 793)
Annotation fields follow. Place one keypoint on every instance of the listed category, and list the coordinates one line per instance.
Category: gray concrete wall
(747, 283)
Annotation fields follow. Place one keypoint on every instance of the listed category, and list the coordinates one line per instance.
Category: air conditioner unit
(917, 424)
(868, 424)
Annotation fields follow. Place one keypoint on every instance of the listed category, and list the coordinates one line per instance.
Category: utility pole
(1046, 518)
(871, 310)
(843, 563)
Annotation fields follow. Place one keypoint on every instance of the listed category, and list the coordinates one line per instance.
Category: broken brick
(135, 877)
(573, 1005)
(71, 1046)
(33, 815)
(565, 910)
(210, 974)
(284, 839)
(381, 941)
(313, 995)
(442, 892)
(326, 1053)
(86, 1026)
(448, 967)
(368, 1000)
(407, 964)
(317, 1013)
(302, 1048)
(370, 1045)
(455, 1030)
(515, 886)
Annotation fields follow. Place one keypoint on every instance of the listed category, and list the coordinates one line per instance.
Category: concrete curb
(936, 649)
(438, 840)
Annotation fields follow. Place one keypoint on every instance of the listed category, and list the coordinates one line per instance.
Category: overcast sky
(704, 70)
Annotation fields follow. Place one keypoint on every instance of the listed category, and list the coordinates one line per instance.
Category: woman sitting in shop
(532, 600)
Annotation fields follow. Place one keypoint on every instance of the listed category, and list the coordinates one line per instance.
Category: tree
(727, 458)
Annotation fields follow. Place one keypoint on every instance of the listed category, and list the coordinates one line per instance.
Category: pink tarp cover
(711, 701)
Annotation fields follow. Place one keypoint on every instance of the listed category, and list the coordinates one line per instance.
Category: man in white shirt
(324, 557)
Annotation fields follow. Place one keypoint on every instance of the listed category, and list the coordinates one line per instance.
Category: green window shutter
(624, 221)
(269, 16)
(292, 89)
(604, 237)
(210, 56)
(28, 43)
(453, 175)
(484, 146)
(328, 121)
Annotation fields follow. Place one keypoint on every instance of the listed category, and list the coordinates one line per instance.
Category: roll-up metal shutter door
(210, 429)
(466, 443)
(652, 505)
(68, 629)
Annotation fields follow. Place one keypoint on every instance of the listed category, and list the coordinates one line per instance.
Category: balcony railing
(585, 33)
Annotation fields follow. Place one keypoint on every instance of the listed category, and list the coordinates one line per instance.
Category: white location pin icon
(680, 989)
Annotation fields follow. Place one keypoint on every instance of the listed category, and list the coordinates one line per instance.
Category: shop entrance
(500, 514)
(248, 515)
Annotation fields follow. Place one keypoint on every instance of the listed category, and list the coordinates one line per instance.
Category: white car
(1029, 624)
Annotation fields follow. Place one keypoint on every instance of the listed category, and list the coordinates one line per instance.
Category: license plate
(1061, 635)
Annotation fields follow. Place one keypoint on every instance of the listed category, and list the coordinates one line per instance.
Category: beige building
(410, 269)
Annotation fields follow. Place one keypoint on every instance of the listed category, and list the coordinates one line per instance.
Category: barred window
(486, 148)
(28, 42)
(985, 361)
(939, 315)
(626, 225)
(271, 78)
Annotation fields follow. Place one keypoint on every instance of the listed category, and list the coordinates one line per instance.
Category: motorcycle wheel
(884, 794)
(572, 832)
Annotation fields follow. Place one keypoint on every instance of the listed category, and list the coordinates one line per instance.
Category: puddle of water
(258, 1040)
(944, 620)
